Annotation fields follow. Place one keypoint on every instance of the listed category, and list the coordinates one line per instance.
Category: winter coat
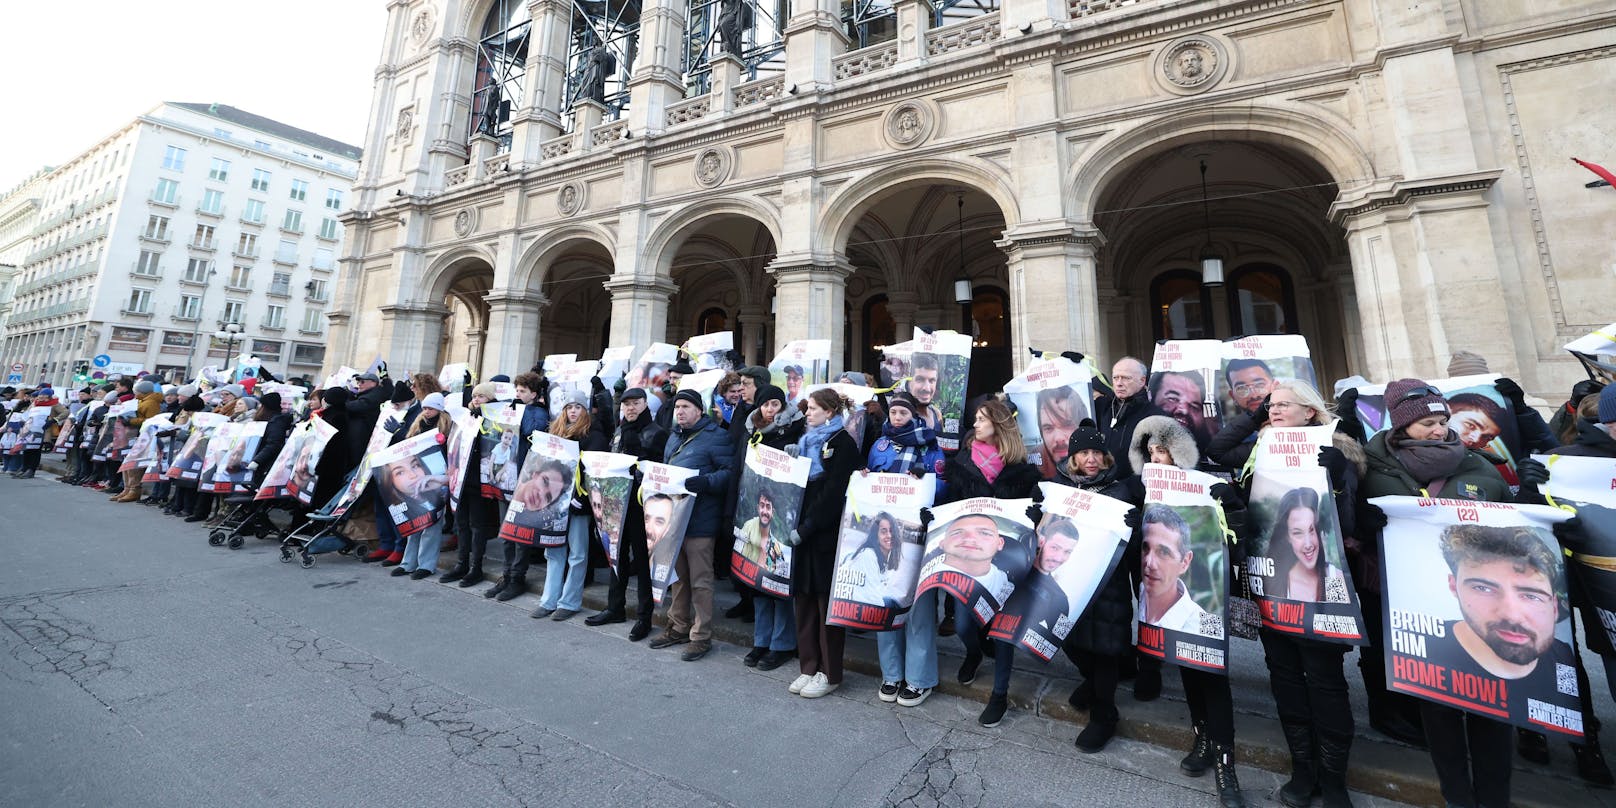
(1106, 627)
(340, 455)
(534, 419)
(150, 405)
(641, 438)
(1118, 420)
(813, 562)
(363, 409)
(965, 480)
(706, 448)
(1162, 430)
(1592, 441)
(778, 434)
(276, 428)
(886, 455)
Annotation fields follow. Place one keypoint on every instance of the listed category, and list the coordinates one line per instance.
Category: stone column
(914, 17)
(539, 117)
(658, 78)
(1054, 297)
(726, 73)
(639, 310)
(813, 37)
(810, 300)
(753, 320)
(904, 307)
(586, 115)
(411, 335)
(513, 332)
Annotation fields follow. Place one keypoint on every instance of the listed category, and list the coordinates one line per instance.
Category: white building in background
(19, 213)
(189, 218)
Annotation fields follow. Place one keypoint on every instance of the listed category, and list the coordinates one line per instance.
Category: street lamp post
(230, 335)
(196, 333)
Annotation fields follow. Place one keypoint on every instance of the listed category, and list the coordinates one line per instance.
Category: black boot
(473, 577)
(455, 574)
(498, 587)
(513, 588)
(1532, 746)
(1591, 766)
(1229, 795)
(1332, 754)
(1199, 759)
(1299, 791)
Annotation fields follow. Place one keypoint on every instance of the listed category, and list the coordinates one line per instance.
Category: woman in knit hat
(774, 626)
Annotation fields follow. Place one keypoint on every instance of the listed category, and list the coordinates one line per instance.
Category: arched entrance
(718, 265)
(577, 318)
(465, 326)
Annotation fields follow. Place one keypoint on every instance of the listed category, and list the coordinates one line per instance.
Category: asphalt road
(143, 667)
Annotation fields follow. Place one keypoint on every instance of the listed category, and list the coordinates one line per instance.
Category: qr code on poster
(1565, 679)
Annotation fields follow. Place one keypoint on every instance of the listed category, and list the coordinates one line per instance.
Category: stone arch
(847, 206)
(468, 24)
(668, 236)
(533, 265)
(441, 273)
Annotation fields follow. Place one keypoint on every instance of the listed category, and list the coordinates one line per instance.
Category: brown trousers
(819, 647)
(693, 592)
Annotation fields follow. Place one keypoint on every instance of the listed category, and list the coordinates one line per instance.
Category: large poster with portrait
(878, 550)
(977, 551)
(799, 365)
(1184, 570)
(1588, 484)
(411, 481)
(710, 351)
(703, 384)
(187, 465)
(1251, 365)
(497, 467)
(573, 378)
(767, 508)
(939, 367)
(389, 420)
(229, 473)
(1477, 613)
(1080, 542)
(1183, 376)
(614, 364)
(161, 450)
(464, 429)
(666, 505)
(650, 371)
(539, 511)
(143, 450)
(1479, 413)
(293, 473)
(1297, 562)
(609, 482)
(1052, 397)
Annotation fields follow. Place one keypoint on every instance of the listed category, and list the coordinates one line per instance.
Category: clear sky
(76, 70)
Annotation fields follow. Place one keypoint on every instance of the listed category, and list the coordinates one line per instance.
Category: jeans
(1004, 654)
(774, 626)
(517, 558)
(565, 568)
(1472, 755)
(13, 463)
(421, 549)
(909, 654)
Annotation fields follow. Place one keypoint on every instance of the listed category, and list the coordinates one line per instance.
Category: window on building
(146, 264)
(300, 190)
(203, 237)
(219, 170)
(260, 180)
(167, 191)
(1180, 306)
(281, 284)
(263, 145)
(157, 228)
(333, 199)
(988, 314)
(212, 201)
(190, 308)
(253, 211)
(247, 245)
(322, 258)
(275, 316)
(329, 229)
(308, 354)
(293, 221)
(196, 270)
(313, 319)
(139, 302)
(286, 252)
(1261, 300)
(241, 277)
(316, 291)
(232, 311)
(174, 158)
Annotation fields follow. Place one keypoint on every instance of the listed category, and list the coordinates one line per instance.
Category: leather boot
(455, 574)
(1332, 755)
(1229, 795)
(498, 587)
(1304, 782)
(1199, 759)
(473, 577)
(513, 588)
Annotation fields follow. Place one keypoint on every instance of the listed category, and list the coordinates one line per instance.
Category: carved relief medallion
(1192, 64)
(712, 167)
(908, 124)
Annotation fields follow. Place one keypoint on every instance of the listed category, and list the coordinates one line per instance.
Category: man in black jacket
(366, 405)
(1118, 414)
(638, 435)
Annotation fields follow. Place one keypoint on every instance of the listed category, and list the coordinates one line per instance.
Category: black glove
(925, 521)
(1260, 417)
(696, 484)
(1074, 356)
(1346, 408)
(1134, 518)
(1531, 472)
(1333, 462)
(1583, 389)
(1035, 513)
(1572, 535)
(1227, 496)
(1512, 393)
(1371, 520)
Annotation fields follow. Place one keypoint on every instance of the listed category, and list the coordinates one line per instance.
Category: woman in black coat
(835, 456)
(338, 458)
(279, 426)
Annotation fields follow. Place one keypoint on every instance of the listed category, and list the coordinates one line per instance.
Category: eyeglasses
(1281, 405)
(1418, 393)
(1251, 388)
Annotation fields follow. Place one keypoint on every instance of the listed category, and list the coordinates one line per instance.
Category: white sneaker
(799, 683)
(820, 686)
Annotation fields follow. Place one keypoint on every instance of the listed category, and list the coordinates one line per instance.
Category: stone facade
(1397, 174)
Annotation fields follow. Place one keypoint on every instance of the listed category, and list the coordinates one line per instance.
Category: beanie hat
(1086, 436)
(110, 398)
(758, 374)
(691, 396)
(903, 400)
(566, 397)
(402, 392)
(769, 392)
(486, 390)
(170, 390)
(232, 389)
(251, 402)
(1465, 363)
(1607, 405)
(500, 378)
(44, 392)
(144, 387)
(186, 391)
(194, 404)
(1409, 400)
(270, 401)
(434, 401)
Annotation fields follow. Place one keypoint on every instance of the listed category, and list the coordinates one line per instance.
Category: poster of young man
(1479, 414)
(614, 364)
(293, 472)
(977, 551)
(609, 482)
(666, 504)
(878, 550)
(224, 436)
(497, 469)
(770, 499)
(710, 351)
(1297, 560)
(1080, 541)
(799, 364)
(463, 431)
(143, 451)
(538, 513)
(1477, 616)
(231, 475)
(1588, 484)
(1184, 571)
(161, 450)
(411, 482)
(1182, 374)
(187, 466)
(939, 370)
(292, 396)
(650, 371)
(1252, 364)
(1052, 397)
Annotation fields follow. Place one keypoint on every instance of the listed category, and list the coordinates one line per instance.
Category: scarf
(912, 441)
(812, 445)
(987, 460)
(1430, 462)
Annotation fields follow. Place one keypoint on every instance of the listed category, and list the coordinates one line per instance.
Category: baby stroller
(244, 516)
(318, 534)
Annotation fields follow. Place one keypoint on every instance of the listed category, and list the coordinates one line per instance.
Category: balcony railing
(280, 290)
(189, 316)
(216, 213)
(166, 203)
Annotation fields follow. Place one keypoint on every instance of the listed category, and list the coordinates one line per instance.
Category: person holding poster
(476, 514)
(878, 565)
(1419, 456)
(1252, 364)
(415, 489)
(832, 457)
(1181, 378)
(800, 363)
(698, 444)
(566, 564)
(1052, 397)
(637, 435)
(774, 425)
(780, 427)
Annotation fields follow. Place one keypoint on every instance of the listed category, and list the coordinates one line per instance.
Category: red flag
(1604, 173)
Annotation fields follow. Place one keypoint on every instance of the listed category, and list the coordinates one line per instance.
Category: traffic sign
(102, 360)
(15, 378)
(16, 367)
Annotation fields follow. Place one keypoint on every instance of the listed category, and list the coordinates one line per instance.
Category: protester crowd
(1421, 454)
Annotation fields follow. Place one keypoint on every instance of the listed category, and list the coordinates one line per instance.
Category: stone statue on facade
(734, 19)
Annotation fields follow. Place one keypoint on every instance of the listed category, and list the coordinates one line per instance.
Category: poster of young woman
(939, 370)
(411, 482)
(1297, 560)
(143, 451)
(1184, 570)
(651, 369)
(799, 364)
(1052, 397)
(878, 550)
(572, 378)
(292, 475)
(213, 459)
(770, 499)
(666, 504)
(501, 428)
(1477, 614)
(463, 431)
(710, 351)
(1080, 541)
(1252, 364)
(1182, 384)
(538, 513)
(978, 551)
(187, 466)
(231, 475)
(609, 481)
(614, 364)
(1588, 484)
(1480, 415)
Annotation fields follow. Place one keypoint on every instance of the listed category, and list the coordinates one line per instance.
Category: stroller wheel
(286, 555)
(236, 542)
(216, 538)
(308, 561)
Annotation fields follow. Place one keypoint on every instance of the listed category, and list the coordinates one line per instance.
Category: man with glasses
(1249, 383)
